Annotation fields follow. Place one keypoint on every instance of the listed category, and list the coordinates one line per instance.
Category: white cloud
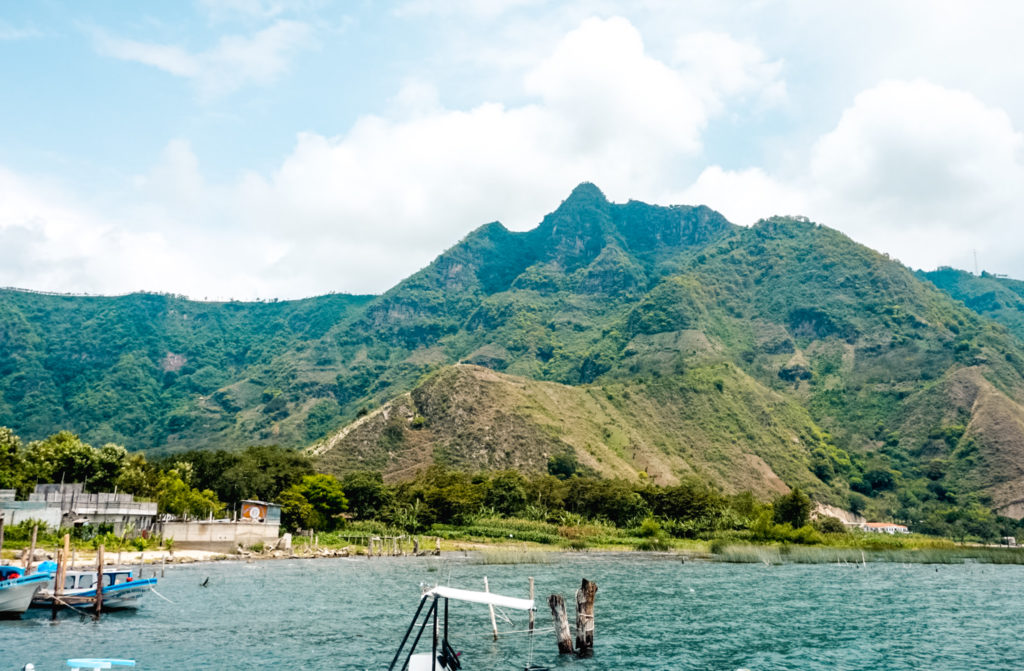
(236, 61)
(743, 196)
(361, 210)
(725, 68)
(480, 8)
(9, 32)
(924, 172)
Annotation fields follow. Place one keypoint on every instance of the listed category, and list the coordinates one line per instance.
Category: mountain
(640, 338)
(148, 370)
(997, 297)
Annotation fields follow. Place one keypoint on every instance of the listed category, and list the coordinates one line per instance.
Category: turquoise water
(651, 613)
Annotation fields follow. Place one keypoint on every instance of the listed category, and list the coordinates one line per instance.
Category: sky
(257, 149)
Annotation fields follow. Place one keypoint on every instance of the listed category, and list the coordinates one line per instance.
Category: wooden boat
(442, 657)
(17, 590)
(121, 589)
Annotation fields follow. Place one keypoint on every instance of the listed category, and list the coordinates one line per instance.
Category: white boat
(17, 590)
(442, 657)
(95, 664)
(121, 589)
(89, 664)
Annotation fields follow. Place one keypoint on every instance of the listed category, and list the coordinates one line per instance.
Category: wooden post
(369, 547)
(57, 584)
(437, 546)
(415, 546)
(1, 536)
(99, 581)
(561, 620)
(31, 551)
(62, 566)
(163, 564)
(532, 612)
(494, 625)
(585, 618)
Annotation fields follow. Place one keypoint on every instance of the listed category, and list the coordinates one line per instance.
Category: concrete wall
(218, 536)
(16, 512)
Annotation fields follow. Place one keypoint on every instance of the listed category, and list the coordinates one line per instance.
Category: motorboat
(121, 589)
(17, 589)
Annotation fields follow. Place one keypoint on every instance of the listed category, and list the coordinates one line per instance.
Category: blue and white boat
(17, 590)
(121, 589)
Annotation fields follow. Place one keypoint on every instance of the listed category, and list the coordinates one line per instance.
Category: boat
(89, 664)
(121, 589)
(442, 657)
(17, 590)
(95, 664)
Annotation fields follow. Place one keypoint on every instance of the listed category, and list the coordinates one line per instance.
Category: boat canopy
(96, 664)
(486, 598)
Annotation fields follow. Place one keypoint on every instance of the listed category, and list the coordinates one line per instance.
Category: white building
(884, 528)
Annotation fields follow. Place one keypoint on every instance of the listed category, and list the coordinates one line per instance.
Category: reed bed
(511, 556)
(795, 554)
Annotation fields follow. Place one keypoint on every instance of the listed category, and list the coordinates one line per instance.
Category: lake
(651, 613)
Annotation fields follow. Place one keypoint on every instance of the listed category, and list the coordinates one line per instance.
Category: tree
(296, 512)
(326, 500)
(563, 465)
(62, 457)
(506, 493)
(367, 496)
(110, 461)
(11, 462)
(793, 509)
(175, 497)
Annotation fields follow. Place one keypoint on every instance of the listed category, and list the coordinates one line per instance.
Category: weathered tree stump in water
(585, 618)
(561, 620)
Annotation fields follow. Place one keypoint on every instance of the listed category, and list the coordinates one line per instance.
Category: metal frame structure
(447, 660)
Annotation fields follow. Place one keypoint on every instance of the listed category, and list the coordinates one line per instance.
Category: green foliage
(793, 509)
(367, 496)
(316, 502)
(175, 497)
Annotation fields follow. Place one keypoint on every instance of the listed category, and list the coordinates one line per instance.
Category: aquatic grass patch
(500, 556)
(802, 554)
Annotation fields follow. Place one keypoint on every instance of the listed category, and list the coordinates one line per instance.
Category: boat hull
(124, 596)
(15, 597)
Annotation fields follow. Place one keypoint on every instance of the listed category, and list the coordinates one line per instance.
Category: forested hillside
(671, 342)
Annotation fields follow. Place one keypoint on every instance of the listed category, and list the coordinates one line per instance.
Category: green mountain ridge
(729, 341)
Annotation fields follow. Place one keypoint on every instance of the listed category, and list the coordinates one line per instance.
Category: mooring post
(437, 546)
(99, 581)
(494, 624)
(561, 620)
(62, 567)
(532, 612)
(31, 550)
(415, 546)
(58, 583)
(585, 618)
(163, 564)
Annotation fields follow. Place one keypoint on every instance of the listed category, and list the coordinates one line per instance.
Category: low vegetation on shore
(565, 508)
